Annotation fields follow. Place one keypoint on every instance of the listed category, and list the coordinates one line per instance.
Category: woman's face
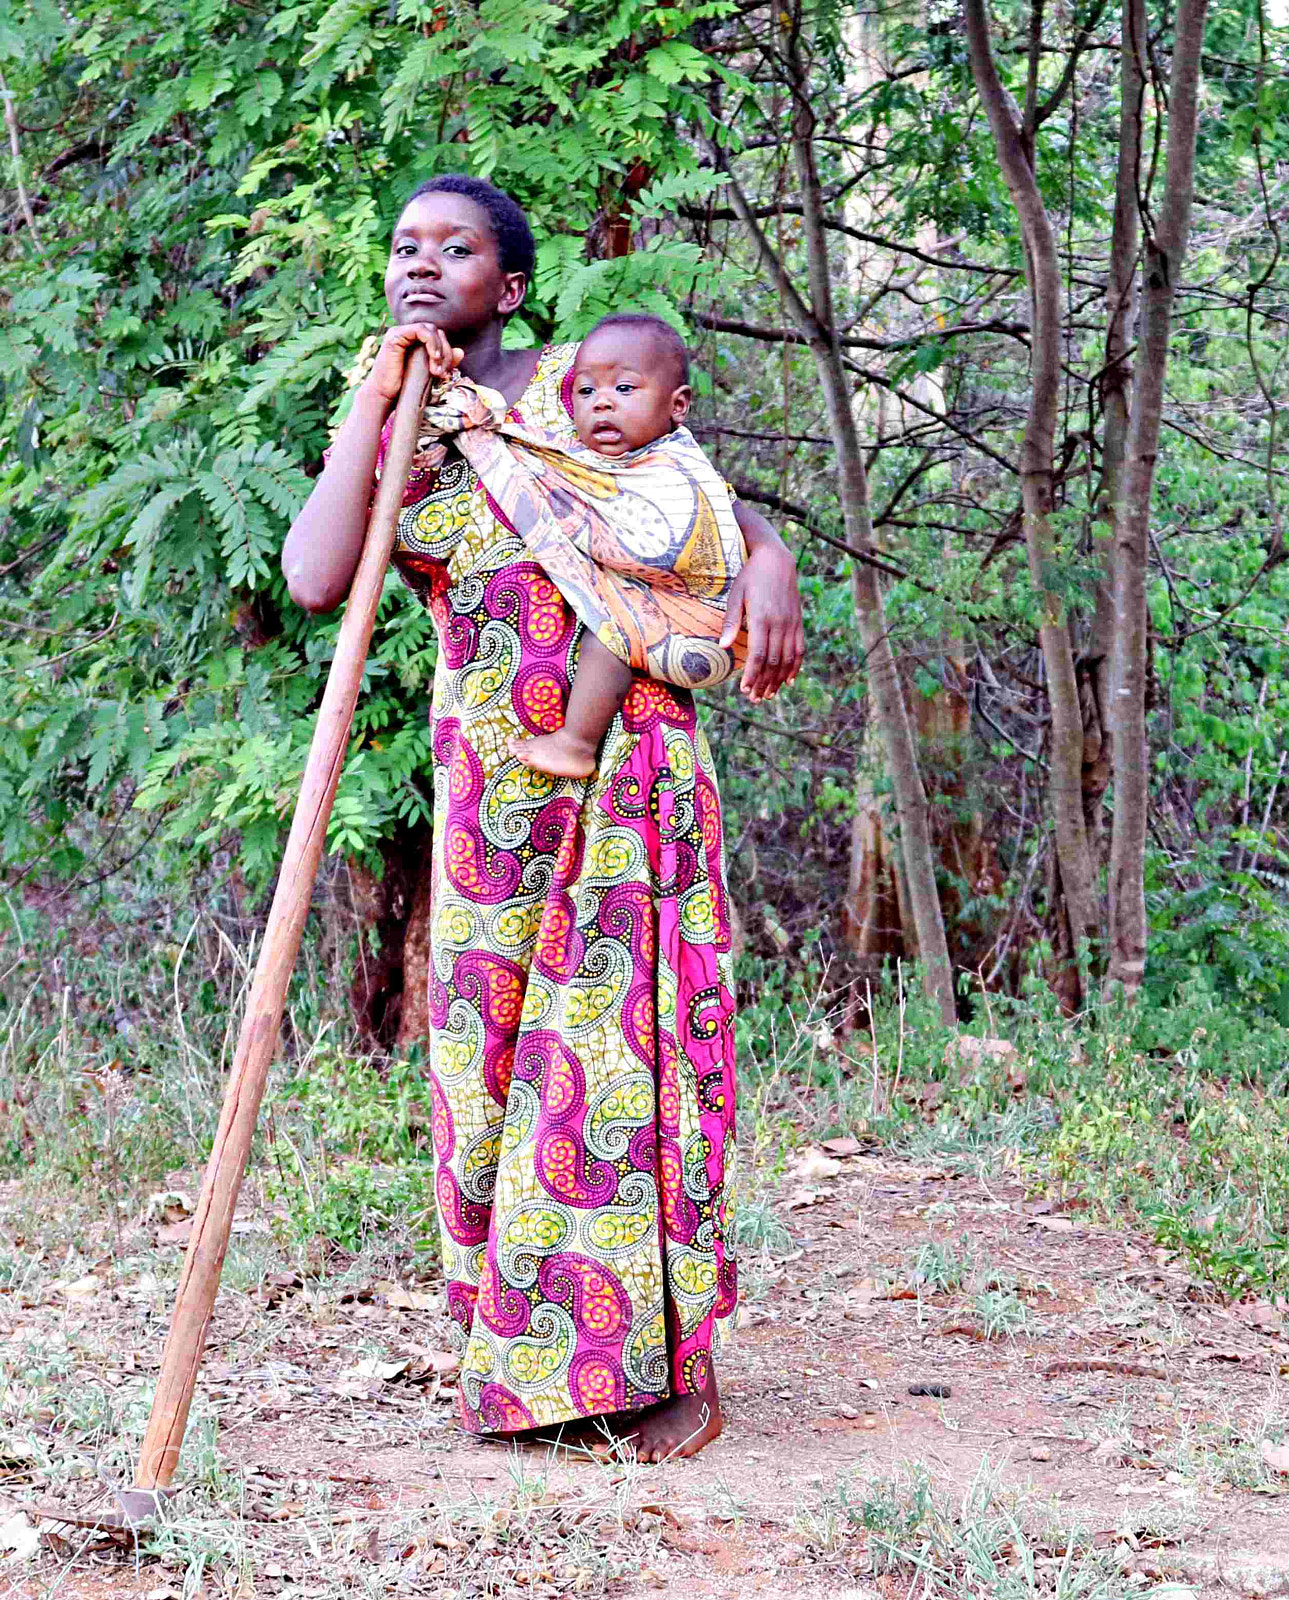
(443, 268)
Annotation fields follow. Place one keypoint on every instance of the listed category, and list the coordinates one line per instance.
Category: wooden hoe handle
(258, 1040)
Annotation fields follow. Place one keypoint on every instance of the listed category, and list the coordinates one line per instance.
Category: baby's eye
(626, 388)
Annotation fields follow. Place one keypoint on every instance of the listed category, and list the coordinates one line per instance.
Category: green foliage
(942, 1267)
(349, 1204)
(357, 1109)
(358, 1162)
(1001, 1313)
(213, 188)
(1186, 1136)
(210, 256)
(895, 1515)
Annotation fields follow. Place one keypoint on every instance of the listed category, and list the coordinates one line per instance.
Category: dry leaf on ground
(1263, 1315)
(413, 1300)
(18, 1538)
(1276, 1456)
(167, 1205)
(358, 1379)
(968, 1052)
(814, 1165)
(83, 1288)
(426, 1362)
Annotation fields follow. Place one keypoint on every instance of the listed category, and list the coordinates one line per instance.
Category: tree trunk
(877, 922)
(874, 916)
(390, 994)
(1165, 251)
(414, 1020)
(1116, 382)
(818, 328)
(1014, 141)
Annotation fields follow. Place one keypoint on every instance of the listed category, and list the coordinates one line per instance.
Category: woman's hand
(386, 377)
(322, 549)
(764, 598)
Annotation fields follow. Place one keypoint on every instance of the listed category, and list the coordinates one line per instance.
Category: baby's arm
(321, 552)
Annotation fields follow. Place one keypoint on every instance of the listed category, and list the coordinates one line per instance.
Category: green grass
(897, 1527)
(1176, 1124)
(942, 1268)
(118, 1017)
(1189, 1143)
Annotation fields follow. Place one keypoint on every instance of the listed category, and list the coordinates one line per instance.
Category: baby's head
(630, 383)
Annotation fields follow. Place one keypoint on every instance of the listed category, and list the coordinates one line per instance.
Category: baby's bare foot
(560, 754)
(678, 1427)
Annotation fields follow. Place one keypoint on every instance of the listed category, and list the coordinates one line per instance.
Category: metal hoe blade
(135, 1511)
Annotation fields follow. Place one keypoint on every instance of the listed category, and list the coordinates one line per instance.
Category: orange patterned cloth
(643, 547)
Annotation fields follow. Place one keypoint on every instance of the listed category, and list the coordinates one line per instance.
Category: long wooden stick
(258, 1040)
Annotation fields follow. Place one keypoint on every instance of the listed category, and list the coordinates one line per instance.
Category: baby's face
(624, 391)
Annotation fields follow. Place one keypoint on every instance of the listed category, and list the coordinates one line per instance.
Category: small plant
(1203, 1237)
(758, 1228)
(356, 1107)
(350, 1203)
(16, 1271)
(978, 1548)
(1002, 1313)
(1226, 1453)
(942, 1268)
(898, 1515)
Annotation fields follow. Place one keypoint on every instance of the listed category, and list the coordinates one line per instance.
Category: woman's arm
(764, 597)
(321, 552)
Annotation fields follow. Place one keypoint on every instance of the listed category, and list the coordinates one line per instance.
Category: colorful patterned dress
(581, 1013)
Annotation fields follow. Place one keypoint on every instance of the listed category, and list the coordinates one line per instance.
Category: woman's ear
(512, 295)
(680, 403)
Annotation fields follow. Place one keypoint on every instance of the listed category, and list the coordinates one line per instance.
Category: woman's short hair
(516, 251)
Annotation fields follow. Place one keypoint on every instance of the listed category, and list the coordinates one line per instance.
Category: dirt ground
(1120, 1408)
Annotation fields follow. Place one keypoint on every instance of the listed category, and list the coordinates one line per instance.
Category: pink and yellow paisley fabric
(644, 548)
(581, 1001)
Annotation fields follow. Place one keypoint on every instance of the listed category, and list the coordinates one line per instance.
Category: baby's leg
(599, 687)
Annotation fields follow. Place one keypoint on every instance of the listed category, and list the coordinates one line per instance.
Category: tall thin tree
(1014, 130)
(1165, 240)
(817, 324)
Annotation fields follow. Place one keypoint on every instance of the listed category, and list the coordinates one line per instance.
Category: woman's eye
(456, 250)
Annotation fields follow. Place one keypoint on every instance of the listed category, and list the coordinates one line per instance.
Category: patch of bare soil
(1073, 1366)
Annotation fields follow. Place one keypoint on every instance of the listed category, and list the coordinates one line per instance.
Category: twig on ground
(1127, 1369)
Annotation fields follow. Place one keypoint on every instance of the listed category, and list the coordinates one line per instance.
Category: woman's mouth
(422, 297)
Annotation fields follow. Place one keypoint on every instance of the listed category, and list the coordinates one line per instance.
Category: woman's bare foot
(674, 1429)
(561, 754)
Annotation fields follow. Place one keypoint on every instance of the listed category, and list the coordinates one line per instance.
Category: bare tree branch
(850, 341)
(11, 121)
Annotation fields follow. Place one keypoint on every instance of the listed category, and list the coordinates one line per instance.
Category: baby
(630, 389)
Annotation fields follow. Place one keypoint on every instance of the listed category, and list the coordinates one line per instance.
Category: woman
(581, 1012)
